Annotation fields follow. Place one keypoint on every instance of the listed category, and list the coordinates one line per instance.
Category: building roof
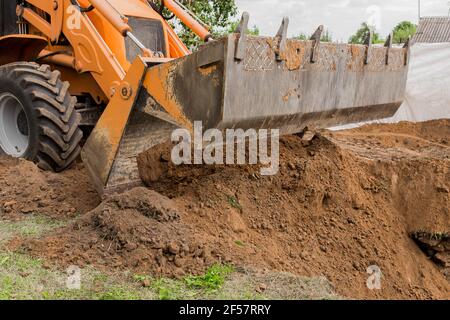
(433, 30)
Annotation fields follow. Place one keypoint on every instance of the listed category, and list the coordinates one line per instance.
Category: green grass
(193, 287)
(234, 202)
(239, 243)
(23, 277)
(213, 279)
(32, 226)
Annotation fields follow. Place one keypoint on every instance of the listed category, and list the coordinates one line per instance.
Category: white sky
(341, 17)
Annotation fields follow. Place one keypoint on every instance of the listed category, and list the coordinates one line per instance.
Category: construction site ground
(378, 195)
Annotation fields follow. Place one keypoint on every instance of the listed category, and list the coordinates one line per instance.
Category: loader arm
(99, 34)
(85, 31)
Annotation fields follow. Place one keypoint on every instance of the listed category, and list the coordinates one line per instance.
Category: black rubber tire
(53, 122)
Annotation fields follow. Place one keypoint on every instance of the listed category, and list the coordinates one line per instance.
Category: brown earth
(340, 203)
(25, 189)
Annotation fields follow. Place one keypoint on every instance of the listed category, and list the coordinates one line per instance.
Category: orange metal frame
(97, 43)
(94, 61)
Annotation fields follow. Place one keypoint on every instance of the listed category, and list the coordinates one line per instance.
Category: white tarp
(428, 87)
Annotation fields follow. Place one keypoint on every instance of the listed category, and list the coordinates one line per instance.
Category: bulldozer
(109, 79)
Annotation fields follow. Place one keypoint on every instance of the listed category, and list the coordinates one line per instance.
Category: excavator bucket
(243, 81)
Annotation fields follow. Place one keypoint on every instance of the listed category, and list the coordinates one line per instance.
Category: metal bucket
(246, 82)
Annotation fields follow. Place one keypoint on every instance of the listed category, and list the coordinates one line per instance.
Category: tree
(326, 36)
(219, 15)
(302, 36)
(253, 31)
(403, 31)
(361, 34)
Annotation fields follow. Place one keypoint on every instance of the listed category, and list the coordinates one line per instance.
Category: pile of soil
(341, 202)
(25, 190)
(140, 230)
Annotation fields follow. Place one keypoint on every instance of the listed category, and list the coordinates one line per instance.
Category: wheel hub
(14, 129)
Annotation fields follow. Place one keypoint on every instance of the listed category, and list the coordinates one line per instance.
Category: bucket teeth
(238, 82)
(407, 46)
(317, 34)
(368, 42)
(316, 38)
(242, 29)
(282, 35)
(243, 24)
(369, 38)
(388, 45)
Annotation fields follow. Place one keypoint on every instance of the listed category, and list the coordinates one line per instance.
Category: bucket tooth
(242, 30)
(316, 43)
(407, 46)
(389, 39)
(369, 43)
(317, 34)
(282, 36)
(388, 46)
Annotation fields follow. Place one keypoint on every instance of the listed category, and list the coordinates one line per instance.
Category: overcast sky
(341, 17)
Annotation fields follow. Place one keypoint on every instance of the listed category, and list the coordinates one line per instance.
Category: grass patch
(24, 278)
(239, 243)
(234, 202)
(213, 279)
(32, 226)
(204, 286)
(169, 289)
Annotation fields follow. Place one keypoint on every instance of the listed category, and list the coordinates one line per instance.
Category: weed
(234, 202)
(213, 279)
(239, 243)
(167, 289)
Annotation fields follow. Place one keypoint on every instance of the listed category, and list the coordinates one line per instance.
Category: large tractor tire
(38, 120)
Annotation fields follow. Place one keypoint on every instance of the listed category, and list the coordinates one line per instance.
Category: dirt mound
(339, 204)
(25, 189)
(140, 230)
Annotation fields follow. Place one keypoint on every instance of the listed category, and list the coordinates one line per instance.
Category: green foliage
(403, 31)
(253, 31)
(361, 34)
(168, 289)
(239, 243)
(213, 279)
(31, 226)
(234, 202)
(326, 36)
(219, 15)
(117, 293)
(302, 36)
